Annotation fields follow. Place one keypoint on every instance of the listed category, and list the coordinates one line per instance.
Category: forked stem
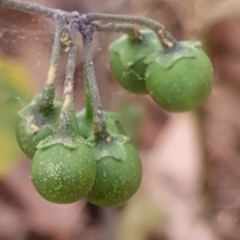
(86, 24)
(164, 35)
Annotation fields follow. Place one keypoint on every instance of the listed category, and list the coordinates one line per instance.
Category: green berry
(127, 60)
(63, 171)
(119, 172)
(34, 125)
(179, 79)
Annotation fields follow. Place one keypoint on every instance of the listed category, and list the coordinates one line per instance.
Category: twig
(68, 84)
(88, 102)
(165, 36)
(60, 21)
(67, 109)
(29, 8)
(49, 88)
(125, 28)
(99, 125)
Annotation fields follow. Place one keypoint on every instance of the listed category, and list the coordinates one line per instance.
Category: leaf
(16, 88)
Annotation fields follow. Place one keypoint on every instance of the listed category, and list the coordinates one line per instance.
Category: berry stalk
(67, 108)
(99, 125)
(49, 89)
(88, 104)
(119, 28)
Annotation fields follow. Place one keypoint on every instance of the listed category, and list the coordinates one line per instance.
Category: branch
(99, 125)
(164, 35)
(125, 28)
(56, 50)
(66, 125)
(49, 88)
(69, 83)
(29, 8)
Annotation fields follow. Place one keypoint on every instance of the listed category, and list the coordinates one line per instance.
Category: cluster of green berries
(69, 162)
(70, 165)
(178, 78)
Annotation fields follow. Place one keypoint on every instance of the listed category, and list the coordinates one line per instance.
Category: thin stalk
(125, 28)
(29, 8)
(164, 35)
(99, 126)
(67, 108)
(88, 104)
(49, 89)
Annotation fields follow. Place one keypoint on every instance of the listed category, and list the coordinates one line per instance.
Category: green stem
(66, 118)
(99, 125)
(164, 35)
(49, 89)
(89, 109)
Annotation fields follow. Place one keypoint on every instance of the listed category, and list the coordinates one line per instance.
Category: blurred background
(191, 183)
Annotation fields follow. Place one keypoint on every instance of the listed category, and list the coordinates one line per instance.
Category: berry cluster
(179, 78)
(87, 155)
